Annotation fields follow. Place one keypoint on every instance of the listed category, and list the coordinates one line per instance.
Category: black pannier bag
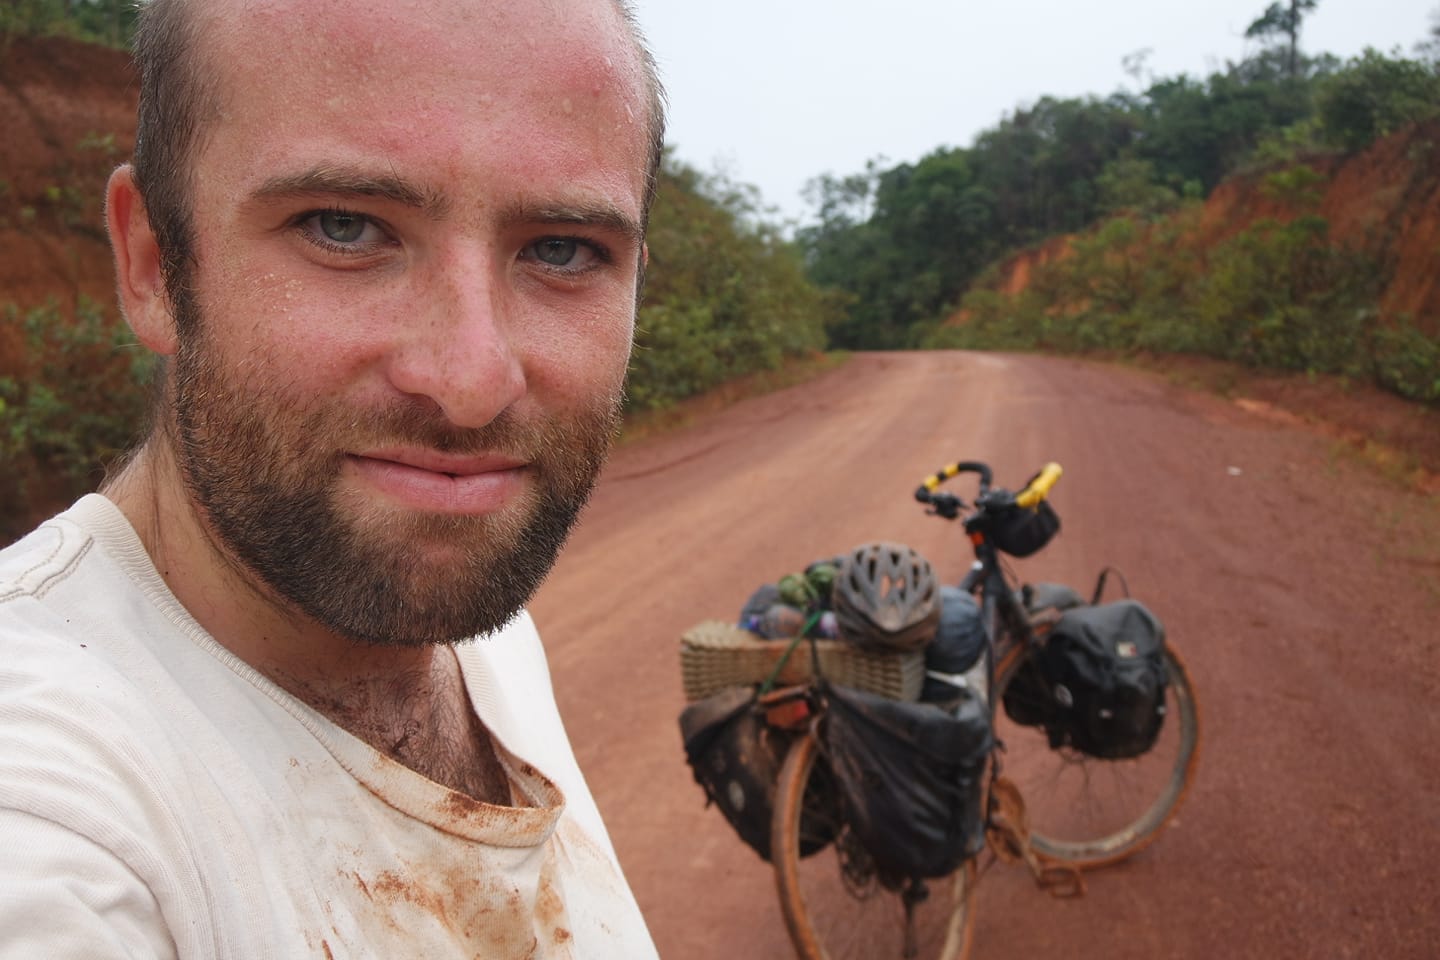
(909, 777)
(1104, 666)
(736, 757)
(1028, 698)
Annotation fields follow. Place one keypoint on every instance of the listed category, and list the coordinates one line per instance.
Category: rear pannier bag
(736, 757)
(1028, 698)
(909, 777)
(1104, 667)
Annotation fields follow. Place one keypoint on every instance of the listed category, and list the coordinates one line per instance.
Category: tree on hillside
(1375, 95)
(1429, 48)
(1283, 20)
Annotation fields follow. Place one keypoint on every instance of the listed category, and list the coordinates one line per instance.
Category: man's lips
(437, 482)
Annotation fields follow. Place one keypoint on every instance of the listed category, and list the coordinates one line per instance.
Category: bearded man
(389, 253)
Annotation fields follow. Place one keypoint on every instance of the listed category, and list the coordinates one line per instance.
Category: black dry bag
(909, 777)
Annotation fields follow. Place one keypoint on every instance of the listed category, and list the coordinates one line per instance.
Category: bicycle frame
(1006, 623)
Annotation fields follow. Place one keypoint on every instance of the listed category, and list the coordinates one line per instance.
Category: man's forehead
(361, 34)
(544, 98)
(360, 55)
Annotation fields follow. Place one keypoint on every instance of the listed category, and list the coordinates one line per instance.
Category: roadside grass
(1396, 466)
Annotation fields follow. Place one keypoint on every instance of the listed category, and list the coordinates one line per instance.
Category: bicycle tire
(834, 907)
(1089, 812)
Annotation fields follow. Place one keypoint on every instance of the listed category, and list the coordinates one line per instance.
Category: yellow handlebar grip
(932, 482)
(1039, 488)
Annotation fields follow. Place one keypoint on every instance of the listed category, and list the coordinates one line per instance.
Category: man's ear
(138, 274)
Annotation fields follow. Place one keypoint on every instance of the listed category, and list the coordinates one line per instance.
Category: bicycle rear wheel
(836, 904)
(1090, 812)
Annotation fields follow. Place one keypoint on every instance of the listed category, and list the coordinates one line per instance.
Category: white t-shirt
(160, 798)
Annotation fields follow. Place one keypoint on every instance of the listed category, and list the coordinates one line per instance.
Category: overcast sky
(775, 92)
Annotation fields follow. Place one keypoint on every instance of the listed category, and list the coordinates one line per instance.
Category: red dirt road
(1303, 591)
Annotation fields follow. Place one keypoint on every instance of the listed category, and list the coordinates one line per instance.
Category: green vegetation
(76, 401)
(1277, 295)
(1373, 96)
(914, 243)
(725, 293)
(110, 22)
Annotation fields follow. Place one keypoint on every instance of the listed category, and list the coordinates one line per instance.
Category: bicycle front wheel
(1090, 812)
(837, 906)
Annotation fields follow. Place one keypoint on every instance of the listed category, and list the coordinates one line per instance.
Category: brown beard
(264, 466)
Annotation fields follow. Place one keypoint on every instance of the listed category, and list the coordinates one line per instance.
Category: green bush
(77, 402)
(1282, 296)
(725, 294)
(1407, 362)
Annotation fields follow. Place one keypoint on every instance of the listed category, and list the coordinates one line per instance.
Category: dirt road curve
(1304, 593)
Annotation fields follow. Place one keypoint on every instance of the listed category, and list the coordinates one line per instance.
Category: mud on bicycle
(1057, 785)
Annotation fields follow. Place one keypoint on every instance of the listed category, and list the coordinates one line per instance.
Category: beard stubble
(265, 468)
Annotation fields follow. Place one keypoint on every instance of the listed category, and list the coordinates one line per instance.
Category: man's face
(417, 247)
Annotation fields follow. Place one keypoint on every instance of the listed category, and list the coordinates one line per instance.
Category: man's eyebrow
(343, 182)
(580, 214)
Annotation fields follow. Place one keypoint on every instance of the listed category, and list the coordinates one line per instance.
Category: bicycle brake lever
(945, 505)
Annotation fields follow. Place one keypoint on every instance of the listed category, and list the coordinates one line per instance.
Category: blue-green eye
(556, 251)
(341, 227)
(566, 255)
(341, 231)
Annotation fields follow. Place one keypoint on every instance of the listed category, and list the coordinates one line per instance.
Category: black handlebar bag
(909, 777)
(1022, 531)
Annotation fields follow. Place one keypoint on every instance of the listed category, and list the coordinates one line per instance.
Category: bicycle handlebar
(932, 483)
(1039, 488)
(1036, 490)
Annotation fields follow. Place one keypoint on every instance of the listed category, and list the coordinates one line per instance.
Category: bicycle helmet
(886, 597)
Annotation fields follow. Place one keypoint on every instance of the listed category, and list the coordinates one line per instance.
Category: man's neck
(409, 703)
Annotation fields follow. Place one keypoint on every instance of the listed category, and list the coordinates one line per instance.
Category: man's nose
(461, 354)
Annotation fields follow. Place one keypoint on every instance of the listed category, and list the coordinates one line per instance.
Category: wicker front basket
(715, 655)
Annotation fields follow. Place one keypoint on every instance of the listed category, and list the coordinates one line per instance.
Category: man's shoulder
(34, 564)
(68, 650)
(60, 585)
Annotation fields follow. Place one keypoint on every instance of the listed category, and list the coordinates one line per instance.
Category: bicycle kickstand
(1008, 831)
